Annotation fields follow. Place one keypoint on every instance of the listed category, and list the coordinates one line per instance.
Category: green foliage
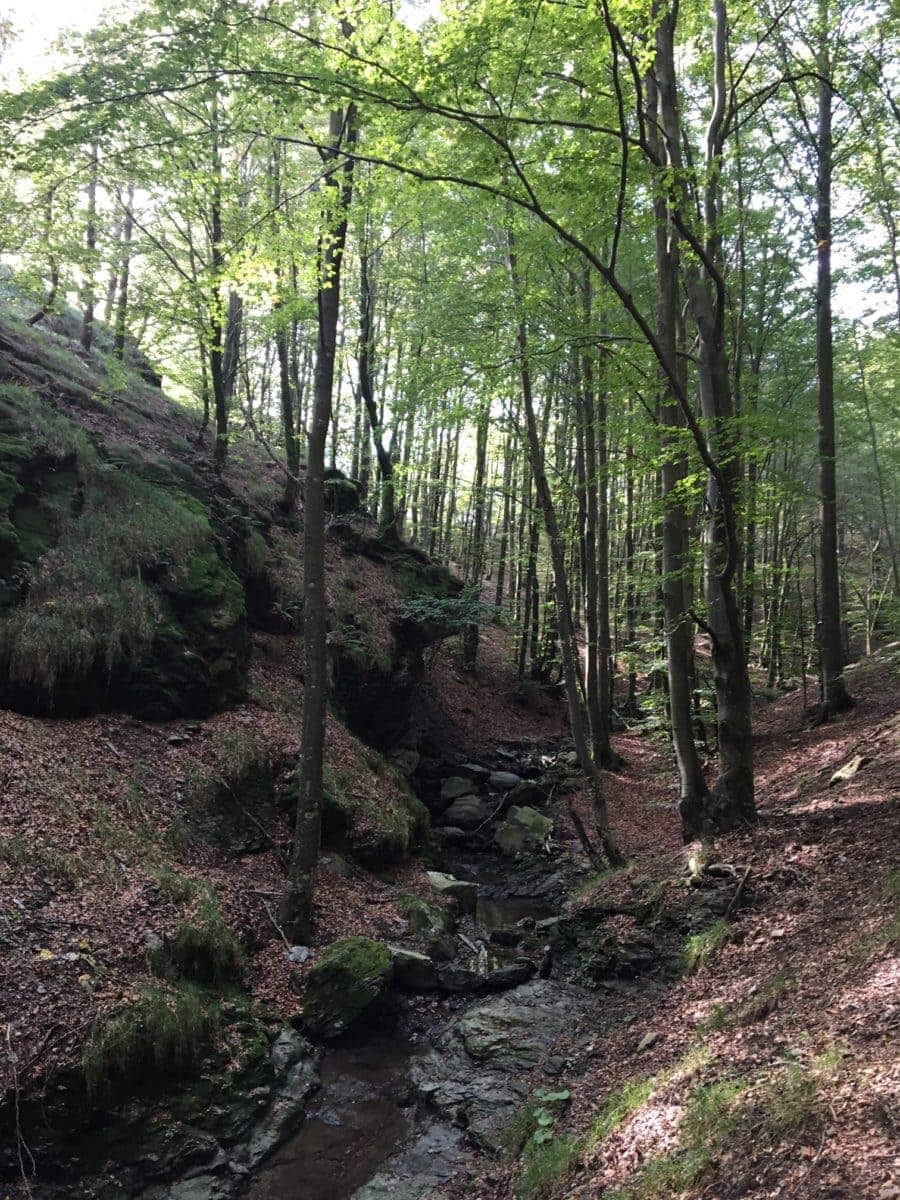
(702, 947)
(163, 1031)
(624, 1101)
(453, 612)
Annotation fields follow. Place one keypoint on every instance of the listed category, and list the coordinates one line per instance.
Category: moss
(753, 1007)
(620, 1105)
(425, 918)
(377, 821)
(702, 947)
(345, 981)
(165, 1030)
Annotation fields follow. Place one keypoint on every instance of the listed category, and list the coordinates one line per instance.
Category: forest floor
(794, 1016)
(771, 1069)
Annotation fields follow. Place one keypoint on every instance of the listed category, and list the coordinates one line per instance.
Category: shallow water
(356, 1121)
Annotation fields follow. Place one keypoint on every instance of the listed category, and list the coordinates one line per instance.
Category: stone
(528, 794)
(424, 918)
(525, 830)
(349, 977)
(299, 954)
(413, 971)
(477, 1073)
(468, 812)
(456, 786)
(473, 771)
(459, 889)
(406, 761)
(848, 770)
(507, 937)
(503, 781)
(648, 1040)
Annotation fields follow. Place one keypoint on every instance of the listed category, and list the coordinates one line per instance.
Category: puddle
(357, 1120)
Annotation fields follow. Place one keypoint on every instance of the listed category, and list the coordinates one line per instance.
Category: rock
(477, 1072)
(299, 954)
(347, 980)
(503, 781)
(406, 761)
(648, 1040)
(848, 770)
(424, 918)
(473, 771)
(462, 979)
(447, 885)
(413, 971)
(468, 812)
(527, 793)
(525, 830)
(456, 786)
(442, 949)
(342, 495)
(334, 864)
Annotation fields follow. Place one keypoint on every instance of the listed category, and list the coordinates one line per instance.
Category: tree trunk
(297, 901)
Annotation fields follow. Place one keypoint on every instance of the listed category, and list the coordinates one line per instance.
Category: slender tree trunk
(124, 277)
(836, 698)
(297, 901)
(90, 264)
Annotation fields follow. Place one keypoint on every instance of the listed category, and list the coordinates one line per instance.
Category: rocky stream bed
(414, 1052)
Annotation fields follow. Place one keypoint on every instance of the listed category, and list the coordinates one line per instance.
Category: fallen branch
(21, 1145)
(738, 892)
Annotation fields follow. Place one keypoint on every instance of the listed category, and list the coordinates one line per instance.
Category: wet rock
(524, 831)
(435, 1154)
(477, 1072)
(348, 979)
(442, 949)
(459, 889)
(468, 812)
(503, 781)
(456, 980)
(456, 786)
(413, 971)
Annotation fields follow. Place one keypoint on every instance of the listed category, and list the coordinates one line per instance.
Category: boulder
(473, 771)
(456, 786)
(477, 1072)
(467, 812)
(413, 971)
(424, 918)
(503, 781)
(528, 794)
(407, 762)
(347, 980)
(459, 889)
(524, 831)
(463, 979)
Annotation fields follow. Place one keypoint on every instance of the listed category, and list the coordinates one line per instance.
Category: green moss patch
(348, 978)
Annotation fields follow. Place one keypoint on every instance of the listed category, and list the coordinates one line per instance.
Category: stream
(390, 1117)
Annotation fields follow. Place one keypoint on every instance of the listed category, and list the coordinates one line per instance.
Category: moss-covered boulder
(352, 975)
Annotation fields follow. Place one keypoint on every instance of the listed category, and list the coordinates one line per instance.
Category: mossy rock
(424, 918)
(376, 826)
(349, 978)
(114, 588)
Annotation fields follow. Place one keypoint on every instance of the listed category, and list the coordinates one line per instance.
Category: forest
(449, 580)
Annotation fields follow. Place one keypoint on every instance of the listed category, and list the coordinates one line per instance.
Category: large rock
(458, 889)
(468, 812)
(503, 781)
(477, 1072)
(413, 971)
(424, 918)
(525, 831)
(347, 980)
(528, 794)
(456, 786)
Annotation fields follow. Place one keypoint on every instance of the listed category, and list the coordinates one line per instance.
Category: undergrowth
(703, 947)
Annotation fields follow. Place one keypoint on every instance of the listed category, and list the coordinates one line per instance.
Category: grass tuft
(703, 947)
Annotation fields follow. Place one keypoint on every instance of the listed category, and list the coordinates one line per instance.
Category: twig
(275, 924)
(738, 892)
(21, 1145)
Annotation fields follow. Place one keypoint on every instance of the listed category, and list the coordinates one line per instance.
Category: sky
(37, 23)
